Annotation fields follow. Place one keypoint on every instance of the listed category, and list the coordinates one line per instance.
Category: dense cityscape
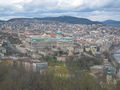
(59, 44)
(63, 49)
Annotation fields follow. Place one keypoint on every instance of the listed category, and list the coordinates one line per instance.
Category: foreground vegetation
(18, 79)
(12, 78)
(74, 63)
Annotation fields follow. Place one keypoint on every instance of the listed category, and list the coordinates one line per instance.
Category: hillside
(1, 21)
(62, 19)
(111, 22)
(70, 20)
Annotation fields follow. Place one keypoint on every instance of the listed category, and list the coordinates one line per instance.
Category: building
(31, 65)
(97, 69)
(41, 44)
(95, 50)
(2, 49)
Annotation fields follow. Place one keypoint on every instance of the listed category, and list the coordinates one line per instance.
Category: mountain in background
(70, 20)
(1, 21)
(62, 19)
(111, 22)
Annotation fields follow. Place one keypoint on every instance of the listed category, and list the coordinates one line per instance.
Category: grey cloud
(81, 8)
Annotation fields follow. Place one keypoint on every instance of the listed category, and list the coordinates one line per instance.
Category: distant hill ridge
(71, 20)
(63, 19)
(2, 21)
(111, 22)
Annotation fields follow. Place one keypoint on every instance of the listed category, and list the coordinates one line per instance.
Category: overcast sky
(91, 9)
